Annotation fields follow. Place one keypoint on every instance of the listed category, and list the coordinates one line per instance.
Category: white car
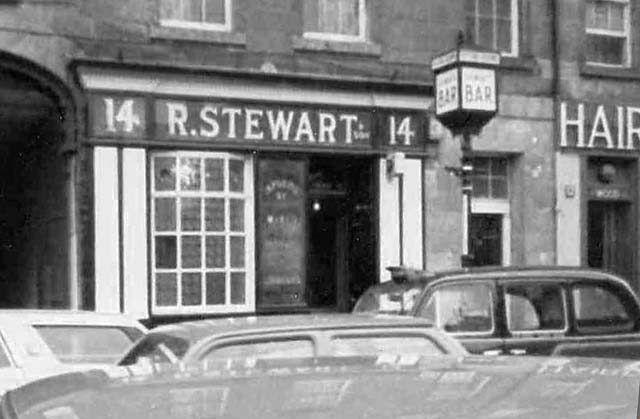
(39, 343)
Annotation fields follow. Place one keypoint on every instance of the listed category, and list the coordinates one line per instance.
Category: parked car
(532, 310)
(442, 387)
(38, 343)
(396, 296)
(294, 336)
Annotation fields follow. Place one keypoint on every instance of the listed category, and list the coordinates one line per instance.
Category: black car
(535, 310)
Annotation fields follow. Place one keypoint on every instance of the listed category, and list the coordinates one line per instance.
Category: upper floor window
(607, 32)
(490, 178)
(493, 24)
(196, 14)
(339, 20)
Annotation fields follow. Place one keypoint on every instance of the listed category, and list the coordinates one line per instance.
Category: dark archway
(35, 130)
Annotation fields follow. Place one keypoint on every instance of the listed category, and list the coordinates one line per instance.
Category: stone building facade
(204, 157)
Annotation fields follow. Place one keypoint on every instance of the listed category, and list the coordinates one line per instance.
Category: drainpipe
(554, 7)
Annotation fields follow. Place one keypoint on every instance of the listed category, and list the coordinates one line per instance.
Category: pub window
(202, 232)
(490, 178)
(607, 32)
(493, 24)
(196, 14)
(340, 20)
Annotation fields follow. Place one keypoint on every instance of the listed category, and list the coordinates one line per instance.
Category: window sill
(182, 34)
(526, 63)
(623, 73)
(356, 48)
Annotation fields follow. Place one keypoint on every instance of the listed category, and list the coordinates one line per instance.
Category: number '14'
(402, 130)
(122, 113)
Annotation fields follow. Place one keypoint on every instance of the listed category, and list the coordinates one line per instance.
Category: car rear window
(265, 349)
(599, 310)
(378, 345)
(157, 348)
(88, 344)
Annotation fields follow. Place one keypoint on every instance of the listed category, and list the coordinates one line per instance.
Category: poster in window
(282, 244)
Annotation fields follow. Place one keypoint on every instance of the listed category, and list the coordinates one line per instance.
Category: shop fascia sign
(595, 126)
(272, 124)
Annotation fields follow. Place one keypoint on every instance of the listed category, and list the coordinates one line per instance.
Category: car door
(466, 310)
(535, 313)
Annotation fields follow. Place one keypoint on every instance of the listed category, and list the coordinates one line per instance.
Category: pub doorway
(609, 244)
(341, 256)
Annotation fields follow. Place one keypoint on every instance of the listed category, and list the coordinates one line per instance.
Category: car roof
(528, 271)
(469, 387)
(194, 331)
(67, 317)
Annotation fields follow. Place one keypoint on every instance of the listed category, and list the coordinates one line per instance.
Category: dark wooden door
(486, 242)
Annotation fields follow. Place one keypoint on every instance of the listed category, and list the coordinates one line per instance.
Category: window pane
(189, 174)
(311, 16)
(166, 252)
(616, 17)
(190, 209)
(164, 175)
(605, 49)
(504, 35)
(333, 16)
(485, 32)
(214, 11)
(191, 252)
(481, 166)
(372, 346)
(237, 251)
(191, 289)
(499, 188)
(470, 28)
(499, 167)
(503, 8)
(214, 174)
(485, 7)
(463, 308)
(597, 15)
(215, 252)
(236, 175)
(598, 310)
(534, 307)
(165, 217)
(480, 186)
(214, 214)
(166, 289)
(236, 209)
(215, 288)
(237, 287)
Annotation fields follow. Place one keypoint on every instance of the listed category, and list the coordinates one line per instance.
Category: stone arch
(38, 133)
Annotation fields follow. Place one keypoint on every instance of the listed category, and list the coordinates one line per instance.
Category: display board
(282, 232)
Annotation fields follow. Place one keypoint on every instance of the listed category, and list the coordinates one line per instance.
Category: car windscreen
(88, 344)
(389, 301)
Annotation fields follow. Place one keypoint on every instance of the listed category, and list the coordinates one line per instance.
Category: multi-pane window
(202, 230)
(490, 178)
(607, 32)
(340, 20)
(196, 14)
(493, 24)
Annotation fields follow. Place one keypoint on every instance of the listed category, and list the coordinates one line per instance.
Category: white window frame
(203, 26)
(362, 29)
(626, 34)
(249, 234)
(515, 33)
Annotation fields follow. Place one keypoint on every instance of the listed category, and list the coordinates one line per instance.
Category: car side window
(460, 308)
(598, 309)
(535, 307)
(263, 349)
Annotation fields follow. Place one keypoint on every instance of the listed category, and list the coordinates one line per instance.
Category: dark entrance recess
(608, 237)
(486, 239)
(316, 241)
(33, 204)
